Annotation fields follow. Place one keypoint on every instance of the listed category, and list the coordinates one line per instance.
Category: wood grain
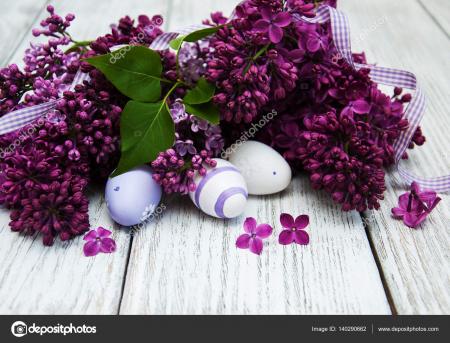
(187, 263)
(16, 21)
(60, 280)
(415, 263)
(439, 10)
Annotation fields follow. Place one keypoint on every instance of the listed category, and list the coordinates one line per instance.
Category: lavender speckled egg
(132, 197)
(222, 192)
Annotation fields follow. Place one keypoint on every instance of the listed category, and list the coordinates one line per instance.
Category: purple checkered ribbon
(16, 120)
(162, 42)
(341, 37)
(390, 77)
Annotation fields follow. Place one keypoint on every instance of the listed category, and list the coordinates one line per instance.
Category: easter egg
(132, 197)
(222, 192)
(264, 169)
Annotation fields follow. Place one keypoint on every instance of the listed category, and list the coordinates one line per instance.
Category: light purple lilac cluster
(197, 141)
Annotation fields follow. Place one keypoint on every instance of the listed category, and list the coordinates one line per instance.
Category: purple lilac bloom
(178, 112)
(294, 230)
(415, 206)
(253, 237)
(44, 179)
(273, 23)
(98, 241)
(185, 147)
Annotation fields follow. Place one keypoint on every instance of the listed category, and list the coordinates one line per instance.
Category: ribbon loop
(390, 77)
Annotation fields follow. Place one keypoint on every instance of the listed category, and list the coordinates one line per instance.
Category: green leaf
(201, 93)
(200, 34)
(208, 112)
(146, 129)
(177, 42)
(193, 36)
(78, 45)
(134, 70)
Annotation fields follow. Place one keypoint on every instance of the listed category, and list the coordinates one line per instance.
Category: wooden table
(187, 263)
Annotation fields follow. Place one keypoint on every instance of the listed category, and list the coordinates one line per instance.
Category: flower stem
(77, 45)
(169, 93)
(254, 58)
(261, 51)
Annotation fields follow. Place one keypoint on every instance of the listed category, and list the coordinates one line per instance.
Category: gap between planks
(158, 233)
(430, 5)
(407, 258)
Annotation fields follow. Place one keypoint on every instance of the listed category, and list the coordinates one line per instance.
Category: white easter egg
(264, 169)
(132, 197)
(222, 192)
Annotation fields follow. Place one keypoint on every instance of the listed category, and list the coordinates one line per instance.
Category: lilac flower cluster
(333, 121)
(197, 141)
(255, 59)
(44, 178)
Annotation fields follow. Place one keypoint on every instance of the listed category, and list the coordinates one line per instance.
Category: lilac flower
(273, 23)
(242, 89)
(214, 140)
(253, 238)
(357, 106)
(158, 20)
(98, 241)
(192, 59)
(198, 124)
(415, 206)
(185, 147)
(317, 42)
(74, 155)
(55, 117)
(178, 111)
(294, 230)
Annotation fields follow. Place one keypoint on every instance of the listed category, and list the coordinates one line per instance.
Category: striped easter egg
(222, 192)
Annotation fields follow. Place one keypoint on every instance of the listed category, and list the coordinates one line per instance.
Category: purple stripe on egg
(208, 177)
(224, 196)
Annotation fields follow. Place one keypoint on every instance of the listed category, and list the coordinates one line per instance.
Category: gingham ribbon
(391, 77)
(16, 120)
(162, 42)
(341, 37)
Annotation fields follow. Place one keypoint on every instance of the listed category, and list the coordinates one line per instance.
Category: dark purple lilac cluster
(46, 166)
(333, 121)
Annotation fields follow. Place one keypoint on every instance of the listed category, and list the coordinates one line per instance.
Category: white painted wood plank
(187, 263)
(60, 280)
(15, 22)
(415, 263)
(440, 11)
